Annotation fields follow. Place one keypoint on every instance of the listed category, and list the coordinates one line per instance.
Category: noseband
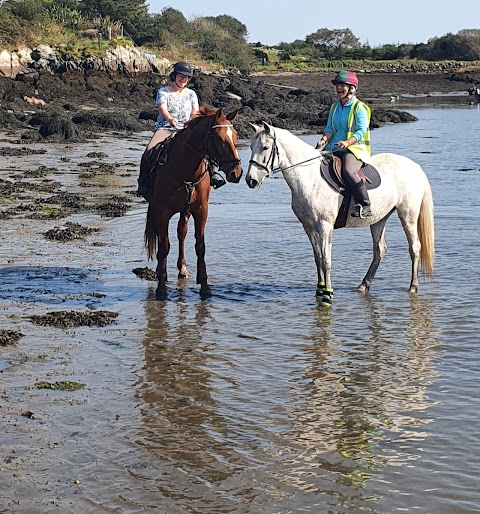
(207, 151)
(222, 163)
(269, 166)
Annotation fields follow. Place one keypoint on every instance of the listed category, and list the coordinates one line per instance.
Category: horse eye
(265, 148)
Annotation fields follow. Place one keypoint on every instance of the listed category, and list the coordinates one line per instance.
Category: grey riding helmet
(184, 68)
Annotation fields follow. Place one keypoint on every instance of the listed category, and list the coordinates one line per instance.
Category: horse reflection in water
(404, 187)
(183, 430)
(362, 400)
(182, 185)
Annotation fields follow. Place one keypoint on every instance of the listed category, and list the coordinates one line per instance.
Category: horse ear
(218, 114)
(232, 115)
(266, 127)
(256, 128)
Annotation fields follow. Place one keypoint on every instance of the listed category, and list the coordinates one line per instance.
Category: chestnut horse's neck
(190, 146)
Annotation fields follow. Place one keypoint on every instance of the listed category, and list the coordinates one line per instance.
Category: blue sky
(377, 22)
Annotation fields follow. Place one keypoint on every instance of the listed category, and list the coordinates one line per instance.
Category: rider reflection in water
(347, 134)
(177, 104)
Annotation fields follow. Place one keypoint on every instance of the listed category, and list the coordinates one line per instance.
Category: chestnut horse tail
(426, 232)
(151, 236)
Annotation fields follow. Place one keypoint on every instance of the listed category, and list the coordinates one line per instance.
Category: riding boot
(361, 209)
(144, 182)
(216, 180)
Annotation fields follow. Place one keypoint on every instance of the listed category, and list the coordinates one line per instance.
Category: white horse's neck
(299, 161)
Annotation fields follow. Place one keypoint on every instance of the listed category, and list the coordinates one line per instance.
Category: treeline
(339, 44)
(81, 28)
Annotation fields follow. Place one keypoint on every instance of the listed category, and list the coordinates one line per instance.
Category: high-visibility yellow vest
(361, 149)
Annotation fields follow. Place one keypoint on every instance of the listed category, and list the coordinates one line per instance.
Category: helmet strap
(178, 85)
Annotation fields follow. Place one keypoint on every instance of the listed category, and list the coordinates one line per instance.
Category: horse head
(222, 145)
(264, 155)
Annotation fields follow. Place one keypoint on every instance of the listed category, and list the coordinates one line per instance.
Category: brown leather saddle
(158, 154)
(331, 170)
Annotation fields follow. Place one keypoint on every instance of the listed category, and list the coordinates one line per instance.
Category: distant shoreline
(379, 84)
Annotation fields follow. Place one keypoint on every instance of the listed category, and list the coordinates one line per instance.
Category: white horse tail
(426, 231)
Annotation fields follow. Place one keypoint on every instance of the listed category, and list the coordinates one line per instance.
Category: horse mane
(203, 112)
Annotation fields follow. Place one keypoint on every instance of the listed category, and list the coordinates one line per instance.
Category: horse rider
(176, 104)
(347, 134)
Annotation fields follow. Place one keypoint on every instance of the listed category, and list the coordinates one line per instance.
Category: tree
(333, 42)
(234, 27)
(133, 14)
(168, 27)
(217, 44)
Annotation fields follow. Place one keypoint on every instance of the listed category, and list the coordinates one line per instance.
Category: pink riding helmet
(346, 77)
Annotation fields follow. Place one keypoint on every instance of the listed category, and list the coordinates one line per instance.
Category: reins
(190, 187)
(205, 153)
(210, 161)
(271, 158)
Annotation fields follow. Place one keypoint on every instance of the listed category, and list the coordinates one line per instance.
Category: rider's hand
(320, 144)
(173, 122)
(342, 144)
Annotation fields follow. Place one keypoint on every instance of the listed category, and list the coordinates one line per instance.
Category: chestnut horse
(182, 185)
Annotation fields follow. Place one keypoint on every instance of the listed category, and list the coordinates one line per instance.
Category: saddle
(331, 171)
(158, 155)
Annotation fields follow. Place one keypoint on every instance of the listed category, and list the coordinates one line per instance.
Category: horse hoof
(205, 292)
(326, 301)
(362, 288)
(327, 297)
(161, 293)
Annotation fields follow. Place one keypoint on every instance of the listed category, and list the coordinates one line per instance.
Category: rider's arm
(361, 125)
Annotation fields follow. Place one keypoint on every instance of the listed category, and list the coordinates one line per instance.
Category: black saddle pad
(329, 174)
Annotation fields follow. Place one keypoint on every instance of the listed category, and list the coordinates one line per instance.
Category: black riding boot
(361, 209)
(144, 183)
(216, 180)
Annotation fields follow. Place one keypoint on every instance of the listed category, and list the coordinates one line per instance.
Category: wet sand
(62, 244)
(65, 449)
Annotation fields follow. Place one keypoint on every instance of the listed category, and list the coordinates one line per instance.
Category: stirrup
(361, 211)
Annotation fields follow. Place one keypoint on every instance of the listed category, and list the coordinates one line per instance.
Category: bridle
(211, 162)
(269, 166)
(225, 165)
(274, 153)
(221, 163)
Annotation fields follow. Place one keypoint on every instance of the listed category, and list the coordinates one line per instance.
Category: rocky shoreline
(58, 101)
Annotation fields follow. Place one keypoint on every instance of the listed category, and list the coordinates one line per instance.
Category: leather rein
(269, 166)
(211, 162)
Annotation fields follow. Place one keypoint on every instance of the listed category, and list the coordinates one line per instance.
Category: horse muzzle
(233, 170)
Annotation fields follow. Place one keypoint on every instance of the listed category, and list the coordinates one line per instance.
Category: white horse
(404, 187)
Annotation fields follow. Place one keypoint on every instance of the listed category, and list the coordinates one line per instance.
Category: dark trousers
(350, 166)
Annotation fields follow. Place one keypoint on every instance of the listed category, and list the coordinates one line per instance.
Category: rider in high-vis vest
(347, 134)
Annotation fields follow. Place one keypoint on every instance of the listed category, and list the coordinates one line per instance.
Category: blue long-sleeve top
(340, 122)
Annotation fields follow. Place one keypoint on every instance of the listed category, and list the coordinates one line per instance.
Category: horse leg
(325, 237)
(379, 250)
(410, 228)
(182, 229)
(317, 252)
(162, 253)
(200, 221)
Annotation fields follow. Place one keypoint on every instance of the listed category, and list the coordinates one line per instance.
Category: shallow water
(256, 400)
